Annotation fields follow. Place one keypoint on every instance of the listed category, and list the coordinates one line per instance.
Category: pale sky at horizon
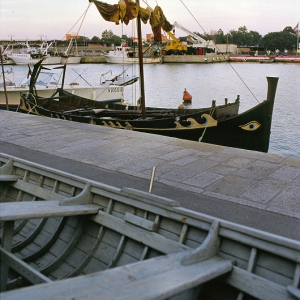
(30, 19)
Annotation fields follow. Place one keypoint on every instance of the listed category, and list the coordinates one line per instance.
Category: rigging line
(220, 51)
(80, 75)
(83, 15)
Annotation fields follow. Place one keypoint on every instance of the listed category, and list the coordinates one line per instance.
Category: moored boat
(265, 58)
(287, 58)
(66, 236)
(125, 55)
(30, 55)
(71, 55)
(252, 58)
(110, 89)
(70, 59)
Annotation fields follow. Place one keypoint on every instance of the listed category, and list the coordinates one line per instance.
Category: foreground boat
(128, 244)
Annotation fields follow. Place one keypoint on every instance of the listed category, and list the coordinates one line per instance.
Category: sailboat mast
(140, 49)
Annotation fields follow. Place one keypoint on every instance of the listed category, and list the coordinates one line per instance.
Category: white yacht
(48, 81)
(27, 55)
(124, 55)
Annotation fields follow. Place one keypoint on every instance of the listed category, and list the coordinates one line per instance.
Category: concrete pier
(210, 58)
(254, 189)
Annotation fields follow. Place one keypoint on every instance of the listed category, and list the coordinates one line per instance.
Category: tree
(256, 37)
(279, 40)
(82, 40)
(244, 37)
(289, 29)
(109, 38)
(126, 40)
(95, 39)
(220, 37)
(107, 34)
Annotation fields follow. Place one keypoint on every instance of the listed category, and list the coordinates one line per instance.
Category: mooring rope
(211, 113)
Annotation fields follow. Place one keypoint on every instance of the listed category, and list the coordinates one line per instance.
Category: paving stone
(231, 185)
(264, 190)
(286, 173)
(204, 179)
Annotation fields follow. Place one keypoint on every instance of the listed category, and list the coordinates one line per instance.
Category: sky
(53, 19)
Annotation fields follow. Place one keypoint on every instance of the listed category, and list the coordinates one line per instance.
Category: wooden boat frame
(157, 248)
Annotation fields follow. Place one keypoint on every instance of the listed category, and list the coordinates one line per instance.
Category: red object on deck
(187, 96)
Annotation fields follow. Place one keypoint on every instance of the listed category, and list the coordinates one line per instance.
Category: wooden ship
(66, 237)
(218, 124)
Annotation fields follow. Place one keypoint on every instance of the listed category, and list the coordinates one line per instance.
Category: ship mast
(140, 51)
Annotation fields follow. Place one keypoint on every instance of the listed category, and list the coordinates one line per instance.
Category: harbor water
(165, 83)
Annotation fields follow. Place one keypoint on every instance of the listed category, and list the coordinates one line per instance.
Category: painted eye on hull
(251, 126)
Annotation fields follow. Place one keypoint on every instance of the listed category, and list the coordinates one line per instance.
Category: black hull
(230, 132)
(249, 130)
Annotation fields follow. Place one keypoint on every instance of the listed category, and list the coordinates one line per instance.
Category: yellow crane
(174, 45)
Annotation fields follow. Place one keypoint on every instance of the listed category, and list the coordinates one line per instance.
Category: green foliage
(280, 40)
(126, 40)
(109, 38)
(95, 39)
(107, 34)
(220, 37)
(242, 36)
(82, 39)
(289, 29)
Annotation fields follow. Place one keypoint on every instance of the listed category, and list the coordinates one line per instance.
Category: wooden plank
(24, 269)
(245, 235)
(157, 278)
(42, 209)
(9, 178)
(37, 191)
(8, 229)
(141, 222)
(149, 198)
(294, 291)
(257, 286)
(151, 239)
